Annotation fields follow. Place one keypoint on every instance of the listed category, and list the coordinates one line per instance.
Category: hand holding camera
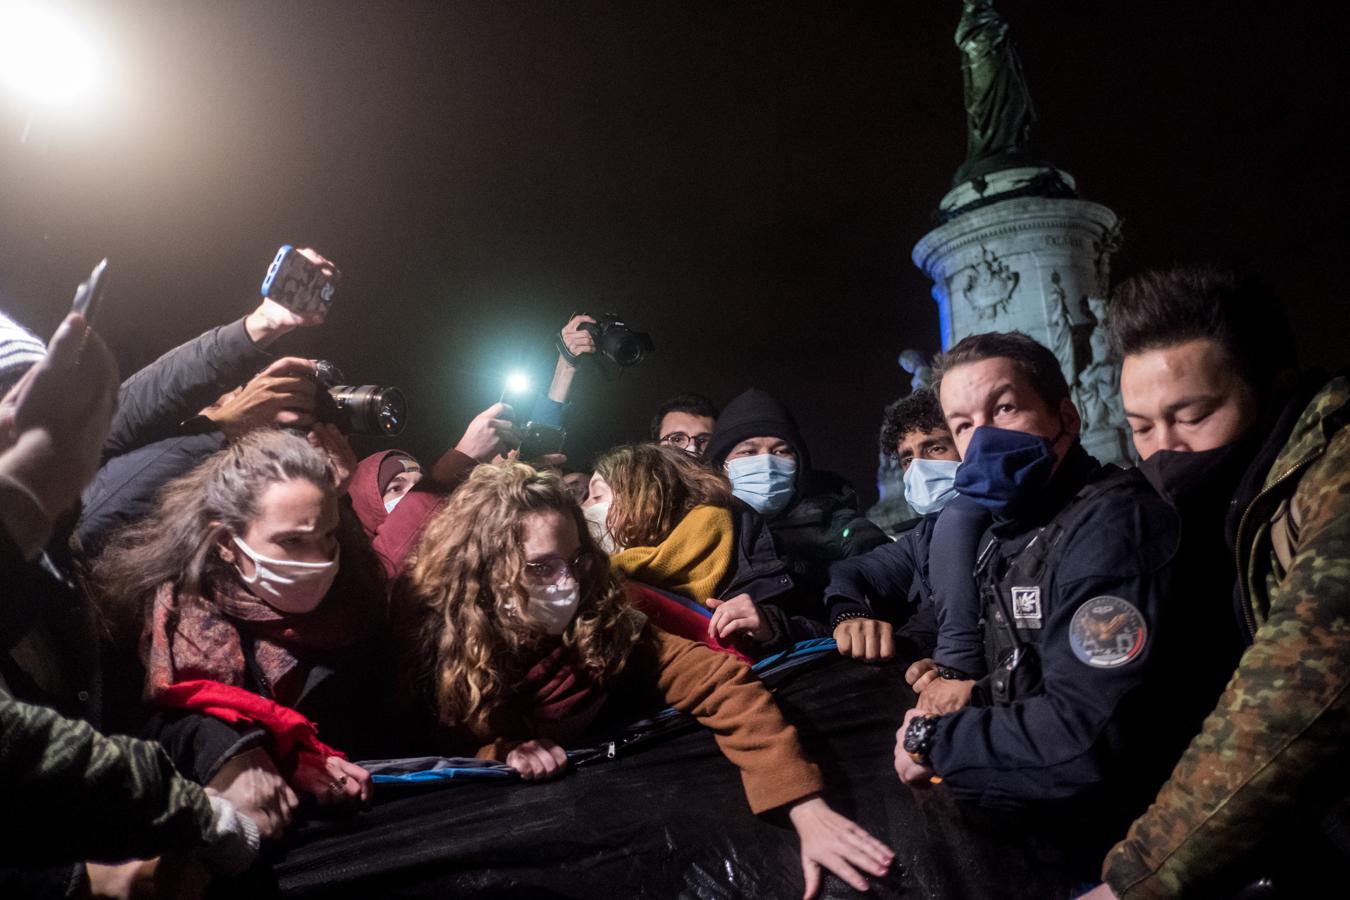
(576, 339)
(283, 394)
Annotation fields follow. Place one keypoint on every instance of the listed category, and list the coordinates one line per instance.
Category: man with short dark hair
(889, 586)
(1082, 644)
(1259, 459)
(913, 428)
(685, 421)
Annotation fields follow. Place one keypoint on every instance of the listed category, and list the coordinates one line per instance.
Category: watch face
(1107, 632)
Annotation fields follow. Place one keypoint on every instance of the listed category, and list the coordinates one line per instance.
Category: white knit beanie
(19, 349)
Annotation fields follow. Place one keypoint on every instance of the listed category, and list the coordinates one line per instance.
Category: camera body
(538, 439)
(617, 342)
(367, 409)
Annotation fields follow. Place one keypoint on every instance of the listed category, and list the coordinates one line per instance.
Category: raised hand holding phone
(303, 282)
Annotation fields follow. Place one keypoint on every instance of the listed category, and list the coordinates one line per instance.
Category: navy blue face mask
(1001, 469)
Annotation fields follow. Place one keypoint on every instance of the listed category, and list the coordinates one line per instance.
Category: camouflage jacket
(79, 795)
(1282, 726)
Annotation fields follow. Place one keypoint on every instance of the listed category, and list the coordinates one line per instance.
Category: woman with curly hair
(673, 525)
(521, 638)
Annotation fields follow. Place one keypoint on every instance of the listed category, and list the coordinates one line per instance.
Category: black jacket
(153, 403)
(821, 527)
(157, 433)
(889, 583)
(761, 574)
(1112, 645)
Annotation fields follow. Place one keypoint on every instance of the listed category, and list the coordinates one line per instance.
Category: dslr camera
(366, 409)
(615, 341)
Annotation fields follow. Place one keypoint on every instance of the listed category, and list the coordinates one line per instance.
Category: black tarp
(667, 818)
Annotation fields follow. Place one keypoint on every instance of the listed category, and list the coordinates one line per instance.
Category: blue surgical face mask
(764, 482)
(1002, 470)
(929, 484)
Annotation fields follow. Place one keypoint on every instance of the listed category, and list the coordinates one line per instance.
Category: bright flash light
(517, 383)
(45, 56)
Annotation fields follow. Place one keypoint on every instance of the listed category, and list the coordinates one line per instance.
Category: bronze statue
(998, 103)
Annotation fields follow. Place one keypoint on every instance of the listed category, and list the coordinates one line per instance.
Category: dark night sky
(746, 181)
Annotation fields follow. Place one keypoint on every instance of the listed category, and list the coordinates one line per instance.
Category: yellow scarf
(692, 561)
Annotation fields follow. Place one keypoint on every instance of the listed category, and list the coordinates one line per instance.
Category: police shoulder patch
(1107, 632)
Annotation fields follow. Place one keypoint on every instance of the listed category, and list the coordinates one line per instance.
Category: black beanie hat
(756, 413)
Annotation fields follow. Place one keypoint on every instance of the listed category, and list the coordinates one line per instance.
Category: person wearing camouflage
(1256, 793)
(87, 796)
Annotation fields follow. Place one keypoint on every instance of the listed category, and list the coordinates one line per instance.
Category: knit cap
(756, 413)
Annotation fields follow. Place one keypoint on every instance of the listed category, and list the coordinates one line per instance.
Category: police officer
(1084, 707)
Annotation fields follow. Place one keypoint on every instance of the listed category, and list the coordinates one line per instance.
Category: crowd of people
(1150, 664)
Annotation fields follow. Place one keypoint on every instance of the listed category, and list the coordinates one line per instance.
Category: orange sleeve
(723, 694)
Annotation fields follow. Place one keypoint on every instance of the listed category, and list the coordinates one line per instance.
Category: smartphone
(537, 439)
(89, 295)
(298, 283)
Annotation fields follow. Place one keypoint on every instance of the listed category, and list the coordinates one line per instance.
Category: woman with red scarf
(519, 640)
(257, 603)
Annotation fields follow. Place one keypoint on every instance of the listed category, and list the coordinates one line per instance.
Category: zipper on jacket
(1246, 603)
(611, 751)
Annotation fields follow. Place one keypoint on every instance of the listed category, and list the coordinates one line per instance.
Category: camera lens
(370, 409)
(622, 348)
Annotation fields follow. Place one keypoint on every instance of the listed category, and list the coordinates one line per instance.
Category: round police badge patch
(1106, 632)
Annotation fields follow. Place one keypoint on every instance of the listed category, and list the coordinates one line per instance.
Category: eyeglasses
(684, 441)
(551, 571)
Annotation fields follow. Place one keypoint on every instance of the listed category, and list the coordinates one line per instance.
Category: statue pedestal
(1039, 265)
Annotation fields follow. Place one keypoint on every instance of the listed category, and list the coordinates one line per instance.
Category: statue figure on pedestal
(998, 104)
(912, 361)
(1097, 391)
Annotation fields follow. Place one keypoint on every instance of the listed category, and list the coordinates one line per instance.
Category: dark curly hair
(920, 411)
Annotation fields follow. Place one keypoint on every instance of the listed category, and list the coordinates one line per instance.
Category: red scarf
(190, 638)
(295, 739)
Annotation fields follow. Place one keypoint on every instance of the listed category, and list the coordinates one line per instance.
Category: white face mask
(597, 523)
(764, 481)
(554, 605)
(292, 587)
(930, 483)
(393, 502)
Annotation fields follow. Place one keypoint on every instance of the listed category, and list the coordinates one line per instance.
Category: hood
(756, 413)
(371, 477)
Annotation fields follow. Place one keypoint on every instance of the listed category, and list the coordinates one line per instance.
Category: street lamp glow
(45, 56)
(517, 383)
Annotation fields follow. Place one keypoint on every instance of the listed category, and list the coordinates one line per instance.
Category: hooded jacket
(392, 534)
(821, 524)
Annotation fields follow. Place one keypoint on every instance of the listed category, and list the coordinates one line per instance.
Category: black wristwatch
(947, 673)
(919, 738)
